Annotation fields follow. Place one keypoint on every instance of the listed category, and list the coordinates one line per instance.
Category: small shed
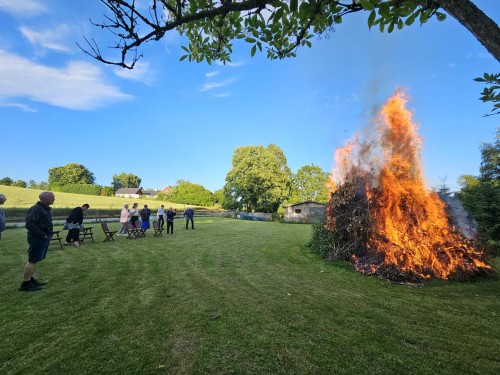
(304, 212)
(129, 192)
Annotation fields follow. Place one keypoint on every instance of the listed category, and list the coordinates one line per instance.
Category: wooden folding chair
(108, 233)
(131, 231)
(141, 232)
(86, 233)
(158, 230)
(55, 237)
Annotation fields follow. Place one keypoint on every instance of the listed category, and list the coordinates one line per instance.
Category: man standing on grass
(39, 226)
(2, 215)
(189, 216)
(170, 220)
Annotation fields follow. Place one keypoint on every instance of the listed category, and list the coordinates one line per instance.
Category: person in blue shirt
(189, 216)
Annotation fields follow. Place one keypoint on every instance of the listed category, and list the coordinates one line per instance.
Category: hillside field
(24, 198)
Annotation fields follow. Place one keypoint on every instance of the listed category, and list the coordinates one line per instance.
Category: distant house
(304, 212)
(151, 193)
(166, 189)
(129, 192)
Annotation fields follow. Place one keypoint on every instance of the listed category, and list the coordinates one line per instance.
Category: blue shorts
(38, 247)
(145, 224)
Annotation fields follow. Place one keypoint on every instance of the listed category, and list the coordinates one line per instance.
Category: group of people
(133, 215)
(40, 228)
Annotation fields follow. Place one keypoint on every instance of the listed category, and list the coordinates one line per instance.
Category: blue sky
(169, 120)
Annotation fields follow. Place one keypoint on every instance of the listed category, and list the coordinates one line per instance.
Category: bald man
(39, 226)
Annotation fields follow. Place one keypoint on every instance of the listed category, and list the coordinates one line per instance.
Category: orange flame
(411, 229)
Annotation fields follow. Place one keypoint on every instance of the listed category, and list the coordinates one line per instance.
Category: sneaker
(35, 282)
(29, 287)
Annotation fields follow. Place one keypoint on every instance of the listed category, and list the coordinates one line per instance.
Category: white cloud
(51, 38)
(142, 72)
(452, 65)
(23, 7)
(222, 95)
(79, 85)
(214, 85)
(22, 107)
(231, 64)
(212, 74)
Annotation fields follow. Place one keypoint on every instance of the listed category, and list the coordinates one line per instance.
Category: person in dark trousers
(2, 215)
(74, 223)
(189, 216)
(170, 220)
(145, 215)
(39, 226)
(161, 216)
(134, 214)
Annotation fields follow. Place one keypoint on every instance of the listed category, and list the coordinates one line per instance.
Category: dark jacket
(170, 215)
(39, 220)
(76, 216)
(189, 213)
(145, 214)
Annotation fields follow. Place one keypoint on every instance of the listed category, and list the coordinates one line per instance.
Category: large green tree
(310, 184)
(125, 180)
(72, 173)
(188, 193)
(481, 195)
(490, 160)
(259, 180)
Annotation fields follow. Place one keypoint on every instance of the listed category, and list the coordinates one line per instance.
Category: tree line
(259, 180)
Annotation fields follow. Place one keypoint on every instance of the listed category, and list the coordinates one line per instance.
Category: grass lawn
(234, 297)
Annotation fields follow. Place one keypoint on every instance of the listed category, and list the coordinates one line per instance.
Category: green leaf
(250, 40)
(440, 16)
(411, 19)
(367, 5)
(371, 18)
(253, 50)
(293, 5)
(391, 27)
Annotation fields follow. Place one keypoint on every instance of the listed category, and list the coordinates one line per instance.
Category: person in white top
(134, 214)
(124, 215)
(161, 216)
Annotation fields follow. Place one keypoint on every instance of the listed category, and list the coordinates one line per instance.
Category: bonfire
(383, 216)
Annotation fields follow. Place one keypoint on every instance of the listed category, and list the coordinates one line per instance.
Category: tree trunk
(479, 24)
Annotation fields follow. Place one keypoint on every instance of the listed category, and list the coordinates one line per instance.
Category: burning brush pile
(382, 217)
